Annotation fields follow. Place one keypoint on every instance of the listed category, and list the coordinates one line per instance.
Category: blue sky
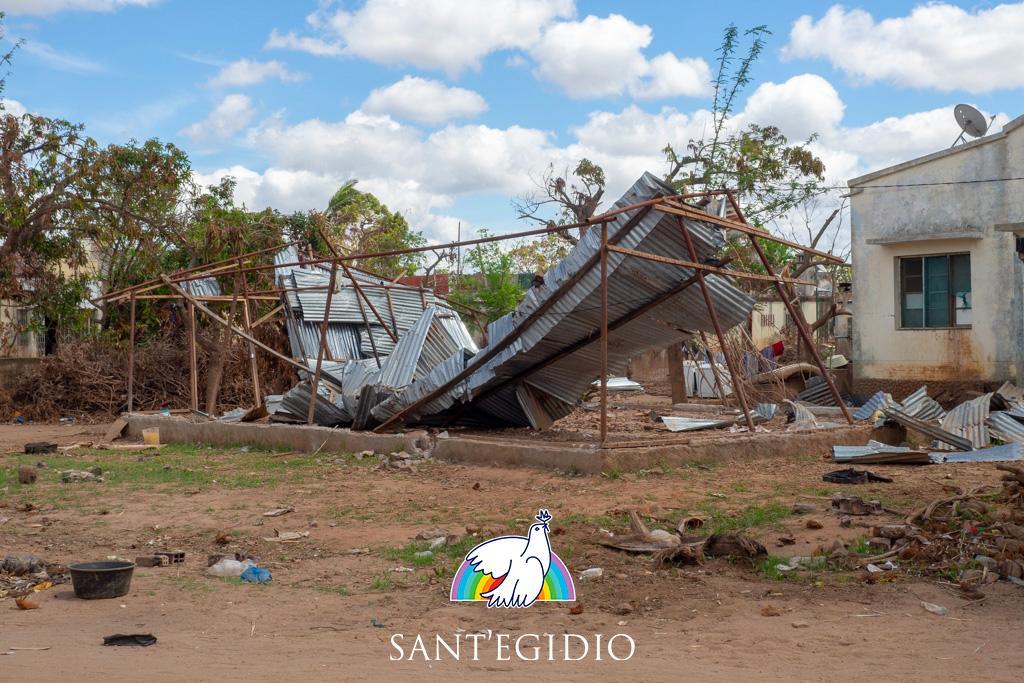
(473, 98)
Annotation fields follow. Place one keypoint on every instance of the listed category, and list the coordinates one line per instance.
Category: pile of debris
(400, 354)
(989, 428)
(22, 575)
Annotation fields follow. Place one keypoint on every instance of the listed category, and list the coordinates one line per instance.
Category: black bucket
(104, 579)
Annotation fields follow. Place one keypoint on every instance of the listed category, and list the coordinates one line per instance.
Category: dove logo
(514, 571)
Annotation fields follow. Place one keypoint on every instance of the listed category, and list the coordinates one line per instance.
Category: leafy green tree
(492, 285)
(771, 175)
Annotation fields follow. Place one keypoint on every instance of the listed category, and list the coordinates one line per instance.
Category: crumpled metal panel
(877, 402)
(968, 420)
(206, 286)
(631, 283)
(816, 392)
(1005, 453)
(426, 345)
(922, 406)
(928, 429)
(442, 374)
(342, 340)
(1005, 427)
(763, 412)
(878, 452)
(326, 413)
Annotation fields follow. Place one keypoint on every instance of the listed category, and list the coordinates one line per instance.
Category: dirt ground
(332, 607)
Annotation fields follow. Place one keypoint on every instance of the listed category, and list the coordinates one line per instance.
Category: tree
(575, 197)
(770, 175)
(359, 223)
(493, 286)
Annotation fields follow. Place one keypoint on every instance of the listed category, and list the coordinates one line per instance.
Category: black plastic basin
(104, 579)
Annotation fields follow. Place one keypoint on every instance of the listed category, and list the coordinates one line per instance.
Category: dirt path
(315, 621)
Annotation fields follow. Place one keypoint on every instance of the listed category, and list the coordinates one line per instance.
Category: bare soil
(316, 620)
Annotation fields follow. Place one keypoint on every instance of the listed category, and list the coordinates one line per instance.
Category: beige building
(939, 276)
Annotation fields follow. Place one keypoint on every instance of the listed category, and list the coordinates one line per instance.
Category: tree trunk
(676, 377)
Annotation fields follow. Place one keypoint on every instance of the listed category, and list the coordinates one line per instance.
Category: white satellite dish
(971, 121)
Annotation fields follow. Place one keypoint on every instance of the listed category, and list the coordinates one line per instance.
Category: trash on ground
(256, 574)
(852, 475)
(26, 602)
(227, 567)
(72, 476)
(286, 536)
(277, 512)
(41, 447)
(847, 504)
(934, 609)
(132, 639)
(592, 574)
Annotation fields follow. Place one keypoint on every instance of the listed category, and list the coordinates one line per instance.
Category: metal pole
(737, 385)
(247, 320)
(315, 381)
(131, 355)
(719, 387)
(604, 333)
(798, 318)
(193, 363)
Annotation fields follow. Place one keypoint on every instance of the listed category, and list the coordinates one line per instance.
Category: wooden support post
(737, 380)
(798, 318)
(315, 380)
(257, 395)
(193, 363)
(604, 333)
(131, 355)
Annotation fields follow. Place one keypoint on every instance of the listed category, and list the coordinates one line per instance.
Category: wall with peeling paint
(976, 218)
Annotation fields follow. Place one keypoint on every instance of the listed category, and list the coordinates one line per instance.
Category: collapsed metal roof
(542, 357)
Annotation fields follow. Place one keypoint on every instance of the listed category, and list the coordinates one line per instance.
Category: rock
(800, 624)
(845, 521)
(801, 508)
(576, 609)
(814, 524)
(592, 574)
(986, 562)
(70, 476)
(971, 576)
(438, 542)
(27, 474)
(622, 608)
(363, 454)
(894, 531)
(879, 544)
(472, 530)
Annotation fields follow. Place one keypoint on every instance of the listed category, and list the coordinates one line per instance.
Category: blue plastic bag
(256, 574)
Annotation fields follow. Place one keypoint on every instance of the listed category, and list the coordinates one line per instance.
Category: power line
(902, 185)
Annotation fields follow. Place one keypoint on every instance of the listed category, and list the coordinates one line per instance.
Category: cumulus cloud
(423, 173)
(231, 115)
(599, 57)
(448, 35)
(424, 100)
(13, 107)
(47, 7)
(250, 72)
(938, 46)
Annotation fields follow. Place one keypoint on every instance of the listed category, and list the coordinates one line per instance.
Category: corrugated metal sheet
(876, 452)
(928, 429)
(206, 286)
(880, 400)
(326, 413)
(1005, 427)
(1004, 453)
(763, 412)
(968, 420)
(922, 406)
(816, 392)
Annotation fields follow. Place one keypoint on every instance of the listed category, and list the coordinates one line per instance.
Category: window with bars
(767, 320)
(935, 291)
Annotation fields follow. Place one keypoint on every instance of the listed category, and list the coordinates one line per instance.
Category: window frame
(899, 279)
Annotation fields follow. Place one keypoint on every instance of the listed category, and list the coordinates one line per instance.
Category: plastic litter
(256, 574)
(228, 568)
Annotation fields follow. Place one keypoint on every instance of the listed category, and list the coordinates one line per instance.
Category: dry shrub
(88, 379)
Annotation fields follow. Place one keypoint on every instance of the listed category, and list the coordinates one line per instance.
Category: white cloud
(249, 72)
(13, 107)
(46, 7)
(938, 46)
(599, 57)
(424, 100)
(61, 61)
(803, 105)
(231, 115)
(449, 35)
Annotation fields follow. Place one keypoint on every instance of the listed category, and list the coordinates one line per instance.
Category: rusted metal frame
(193, 362)
(798, 318)
(705, 268)
(737, 381)
(373, 309)
(131, 355)
(268, 316)
(212, 299)
(247, 320)
(479, 359)
(744, 227)
(604, 333)
(315, 379)
(159, 283)
(241, 333)
(586, 341)
(423, 299)
(719, 386)
(391, 310)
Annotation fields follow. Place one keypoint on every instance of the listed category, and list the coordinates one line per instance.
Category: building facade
(935, 249)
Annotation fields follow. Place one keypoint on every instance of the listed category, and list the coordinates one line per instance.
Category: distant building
(939, 273)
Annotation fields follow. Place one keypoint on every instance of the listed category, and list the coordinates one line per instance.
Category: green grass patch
(750, 517)
(382, 583)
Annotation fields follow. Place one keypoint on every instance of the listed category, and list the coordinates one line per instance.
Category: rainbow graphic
(469, 585)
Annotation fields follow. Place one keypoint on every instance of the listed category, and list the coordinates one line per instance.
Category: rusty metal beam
(315, 379)
(604, 333)
(705, 268)
(131, 355)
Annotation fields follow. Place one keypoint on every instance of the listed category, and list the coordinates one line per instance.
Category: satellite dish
(971, 121)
